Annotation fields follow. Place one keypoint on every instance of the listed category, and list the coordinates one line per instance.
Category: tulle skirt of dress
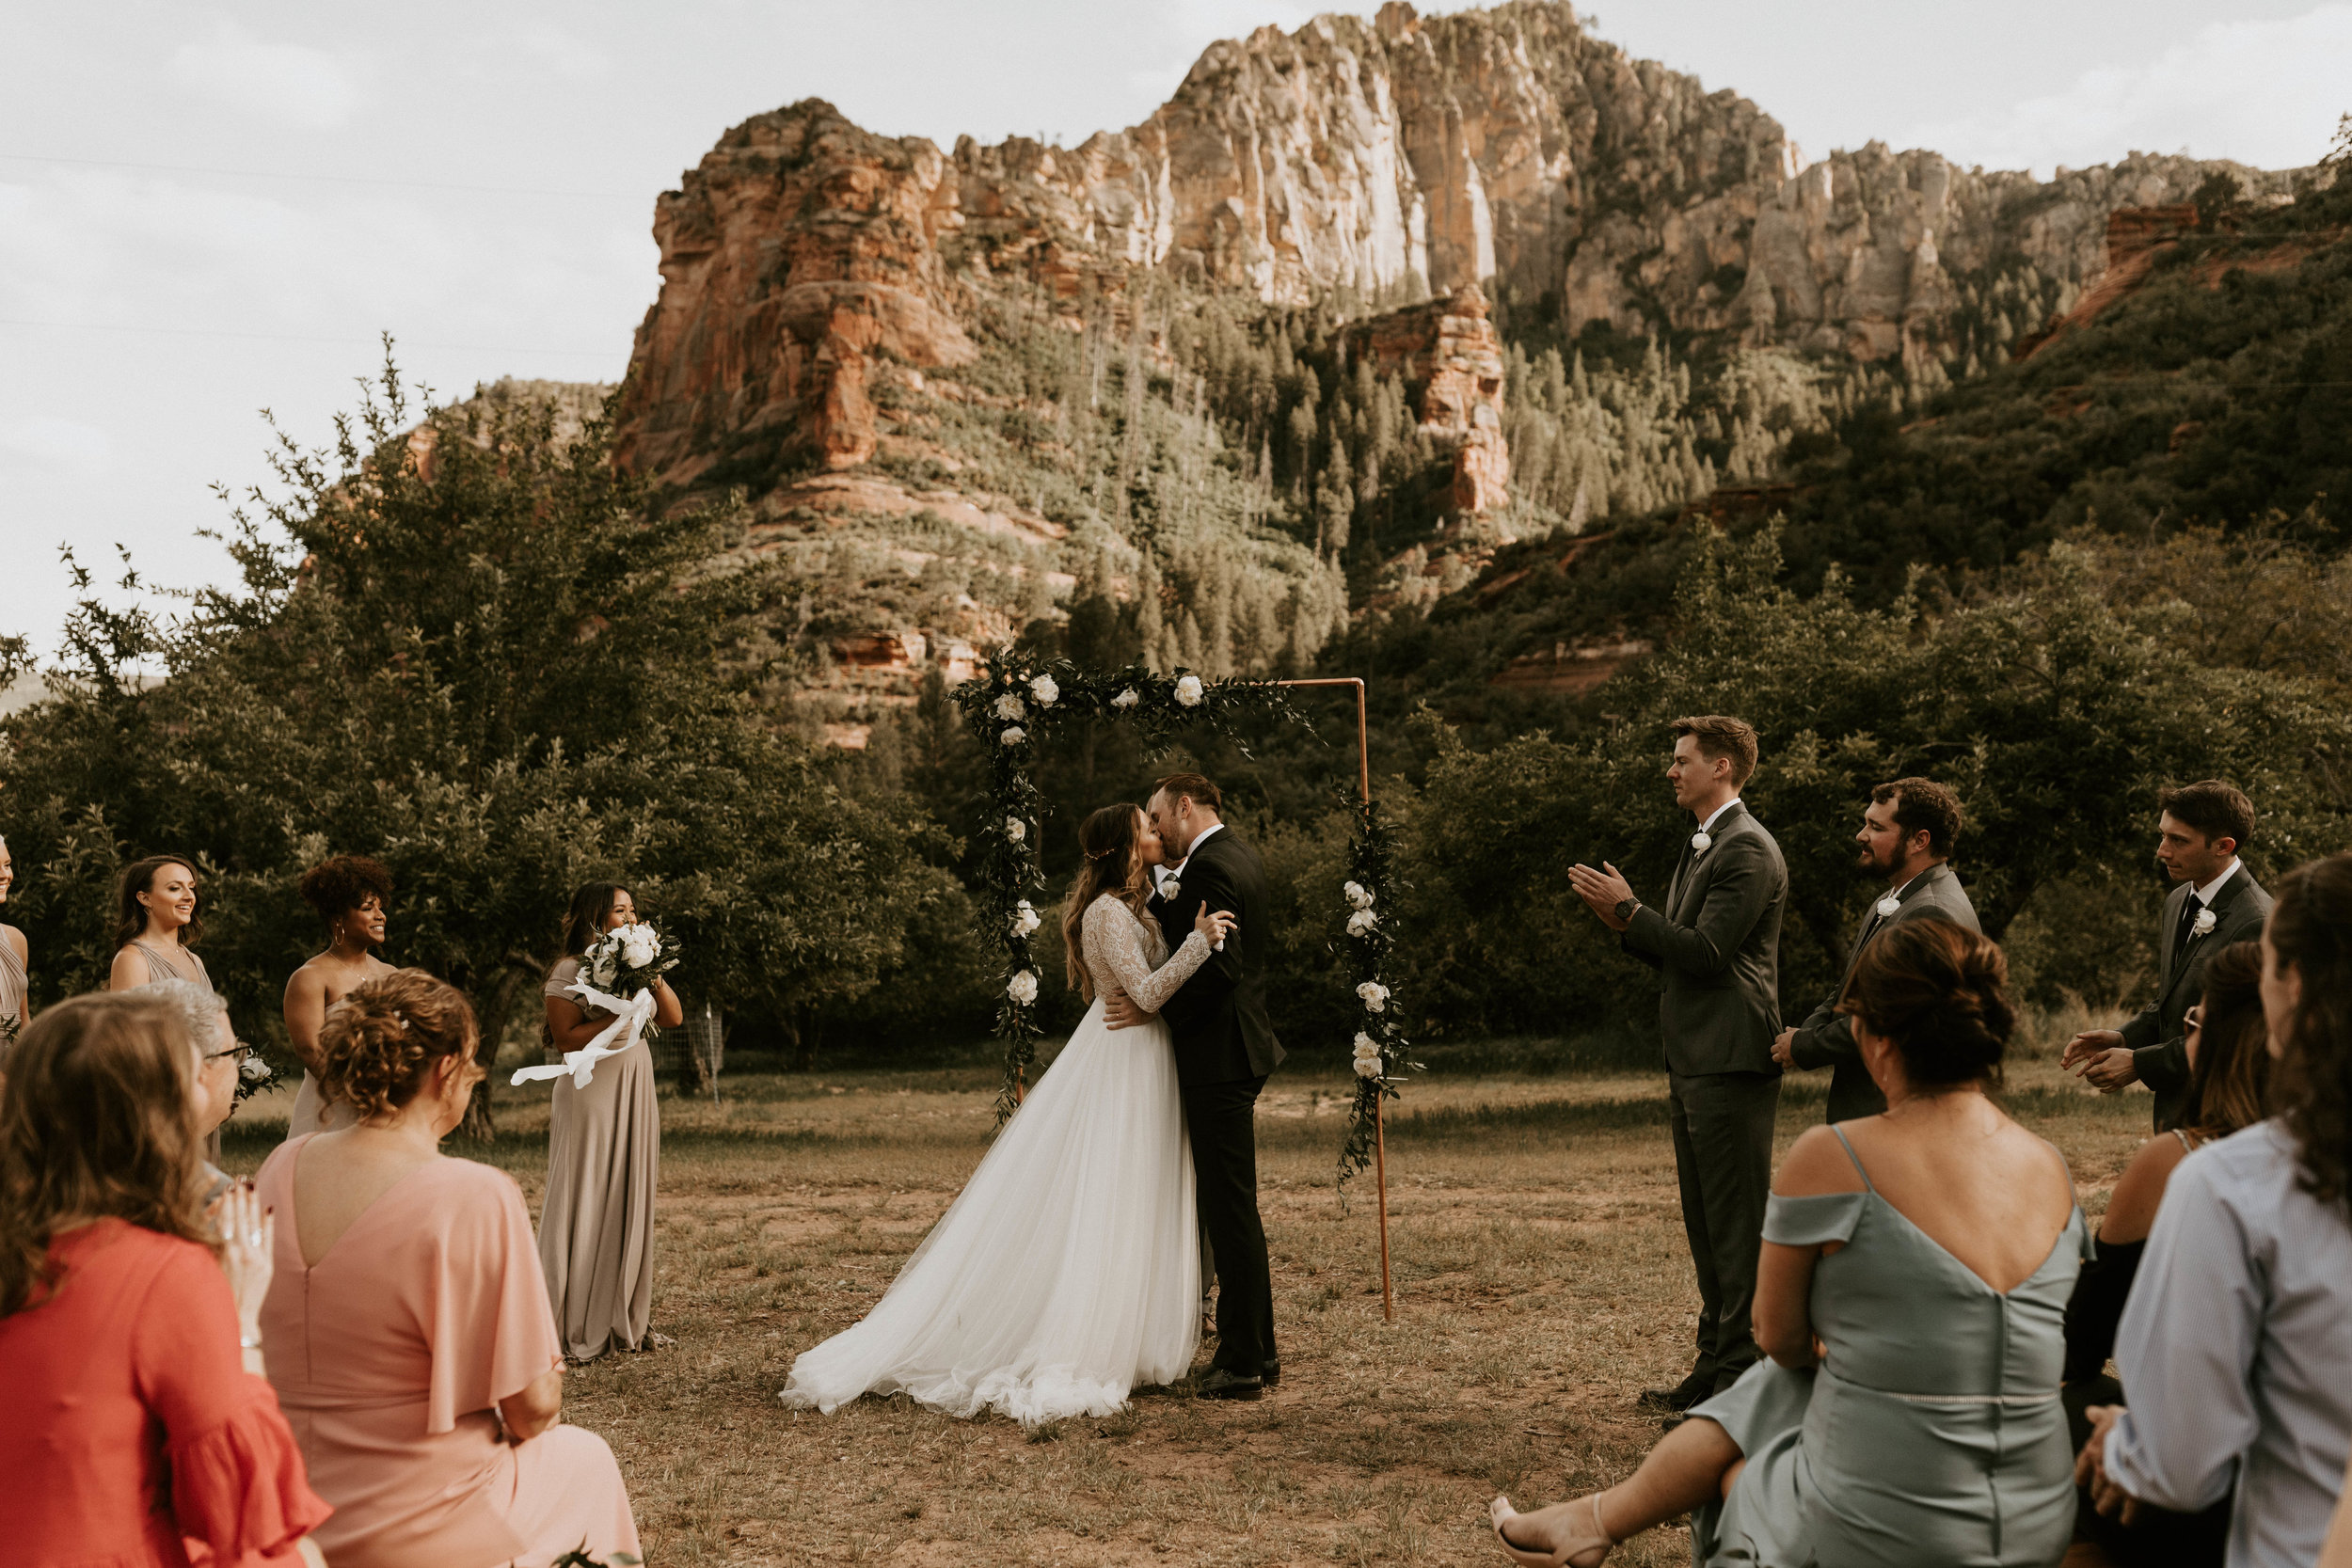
(1066, 1273)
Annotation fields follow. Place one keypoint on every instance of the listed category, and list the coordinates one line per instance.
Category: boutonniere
(1701, 840)
(2204, 924)
(1171, 889)
(1888, 906)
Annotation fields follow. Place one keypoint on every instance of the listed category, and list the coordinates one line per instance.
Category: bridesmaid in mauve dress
(349, 892)
(408, 1330)
(604, 1155)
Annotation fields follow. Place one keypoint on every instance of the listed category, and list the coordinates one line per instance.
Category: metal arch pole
(1379, 1128)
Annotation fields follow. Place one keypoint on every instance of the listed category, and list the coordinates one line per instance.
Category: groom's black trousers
(1218, 1119)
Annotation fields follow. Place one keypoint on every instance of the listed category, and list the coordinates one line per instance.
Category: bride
(1068, 1269)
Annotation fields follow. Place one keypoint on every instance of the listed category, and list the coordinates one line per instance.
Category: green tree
(472, 651)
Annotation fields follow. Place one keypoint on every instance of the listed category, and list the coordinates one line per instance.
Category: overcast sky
(209, 210)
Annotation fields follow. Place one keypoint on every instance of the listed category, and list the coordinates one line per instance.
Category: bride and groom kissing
(1068, 1271)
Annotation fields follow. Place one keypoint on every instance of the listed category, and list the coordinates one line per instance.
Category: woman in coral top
(407, 1324)
(135, 1437)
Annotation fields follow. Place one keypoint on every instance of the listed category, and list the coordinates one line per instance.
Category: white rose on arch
(1047, 692)
(1018, 831)
(1010, 706)
(1189, 690)
(1022, 988)
(1128, 698)
(1373, 995)
(1358, 894)
(1013, 736)
(1368, 1062)
(1026, 918)
(1361, 922)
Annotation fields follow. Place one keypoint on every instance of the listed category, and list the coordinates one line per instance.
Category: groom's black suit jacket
(1217, 1018)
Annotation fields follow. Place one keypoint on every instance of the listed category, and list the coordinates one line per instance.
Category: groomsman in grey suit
(1906, 838)
(1715, 942)
(2200, 829)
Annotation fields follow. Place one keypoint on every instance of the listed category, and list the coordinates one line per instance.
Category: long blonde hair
(1113, 841)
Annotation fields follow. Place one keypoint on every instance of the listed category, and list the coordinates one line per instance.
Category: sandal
(1584, 1552)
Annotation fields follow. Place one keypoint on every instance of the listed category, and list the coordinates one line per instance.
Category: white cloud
(2263, 92)
(284, 84)
(66, 444)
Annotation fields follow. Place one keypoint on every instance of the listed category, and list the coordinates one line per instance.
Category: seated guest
(2235, 1347)
(409, 1331)
(134, 1437)
(220, 1056)
(1911, 1300)
(2229, 1053)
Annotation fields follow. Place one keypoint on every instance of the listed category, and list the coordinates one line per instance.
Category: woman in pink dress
(408, 1327)
(134, 1437)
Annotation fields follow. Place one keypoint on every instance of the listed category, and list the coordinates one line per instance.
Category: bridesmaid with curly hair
(349, 892)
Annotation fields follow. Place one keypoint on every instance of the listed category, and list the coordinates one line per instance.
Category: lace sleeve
(1115, 943)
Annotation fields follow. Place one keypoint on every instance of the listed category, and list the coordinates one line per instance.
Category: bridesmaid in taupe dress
(604, 1155)
(155, 933)
(15, 956)
(156, 927)
(349, 892)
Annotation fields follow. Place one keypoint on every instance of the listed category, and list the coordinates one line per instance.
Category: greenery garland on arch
(1007, 702)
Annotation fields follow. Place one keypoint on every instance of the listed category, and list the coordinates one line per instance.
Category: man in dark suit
(1225, 1047)
(1906, 838)
(1716, 944)
(2200, 829)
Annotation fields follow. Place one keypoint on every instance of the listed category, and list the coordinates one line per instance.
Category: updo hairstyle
(1939, 993)
(381, 1041)
(2310, 931)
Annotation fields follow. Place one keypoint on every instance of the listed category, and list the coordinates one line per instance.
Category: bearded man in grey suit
(1906, 838)
(1716, 946)
(2199, 830)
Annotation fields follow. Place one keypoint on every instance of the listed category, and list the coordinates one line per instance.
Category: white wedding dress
(1068, 1269)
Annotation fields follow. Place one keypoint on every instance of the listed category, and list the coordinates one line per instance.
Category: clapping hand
(1784, 1047)
(2102, 1059)
(248, 1234)
(1604, 890)
(2091, 1468)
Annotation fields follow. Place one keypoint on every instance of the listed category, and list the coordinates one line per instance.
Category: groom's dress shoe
(1222, 1384)
(1674, 1400)
(1271, 1373)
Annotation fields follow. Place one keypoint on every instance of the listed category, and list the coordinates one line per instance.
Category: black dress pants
(1722, 1131)
(1218, 1119)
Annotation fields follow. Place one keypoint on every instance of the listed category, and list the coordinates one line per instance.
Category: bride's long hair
(1113, 841)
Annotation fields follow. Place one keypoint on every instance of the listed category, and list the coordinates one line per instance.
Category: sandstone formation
(1449, 352)
(1507, 148)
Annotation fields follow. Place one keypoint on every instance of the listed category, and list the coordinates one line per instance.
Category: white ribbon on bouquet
(631, 1017)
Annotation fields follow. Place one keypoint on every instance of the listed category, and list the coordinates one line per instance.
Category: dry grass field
(1541, 1282)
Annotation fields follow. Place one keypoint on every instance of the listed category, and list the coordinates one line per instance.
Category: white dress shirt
(1709, 826)
(2237, 1351)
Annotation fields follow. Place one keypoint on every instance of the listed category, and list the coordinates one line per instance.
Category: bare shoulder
(15, 939)
(1817, 1162)
(2132, 1206)
(128, 969)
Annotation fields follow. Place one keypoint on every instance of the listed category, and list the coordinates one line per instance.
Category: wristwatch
(1625, 907)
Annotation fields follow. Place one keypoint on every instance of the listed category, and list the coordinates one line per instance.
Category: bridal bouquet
(617, 974)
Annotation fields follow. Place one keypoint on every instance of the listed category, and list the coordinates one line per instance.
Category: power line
(317, 179)
(293, 337)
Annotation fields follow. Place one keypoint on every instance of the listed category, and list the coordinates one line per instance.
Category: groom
(1225, 1047)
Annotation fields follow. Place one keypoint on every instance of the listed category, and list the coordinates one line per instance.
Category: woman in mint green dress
(1911, 1304)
